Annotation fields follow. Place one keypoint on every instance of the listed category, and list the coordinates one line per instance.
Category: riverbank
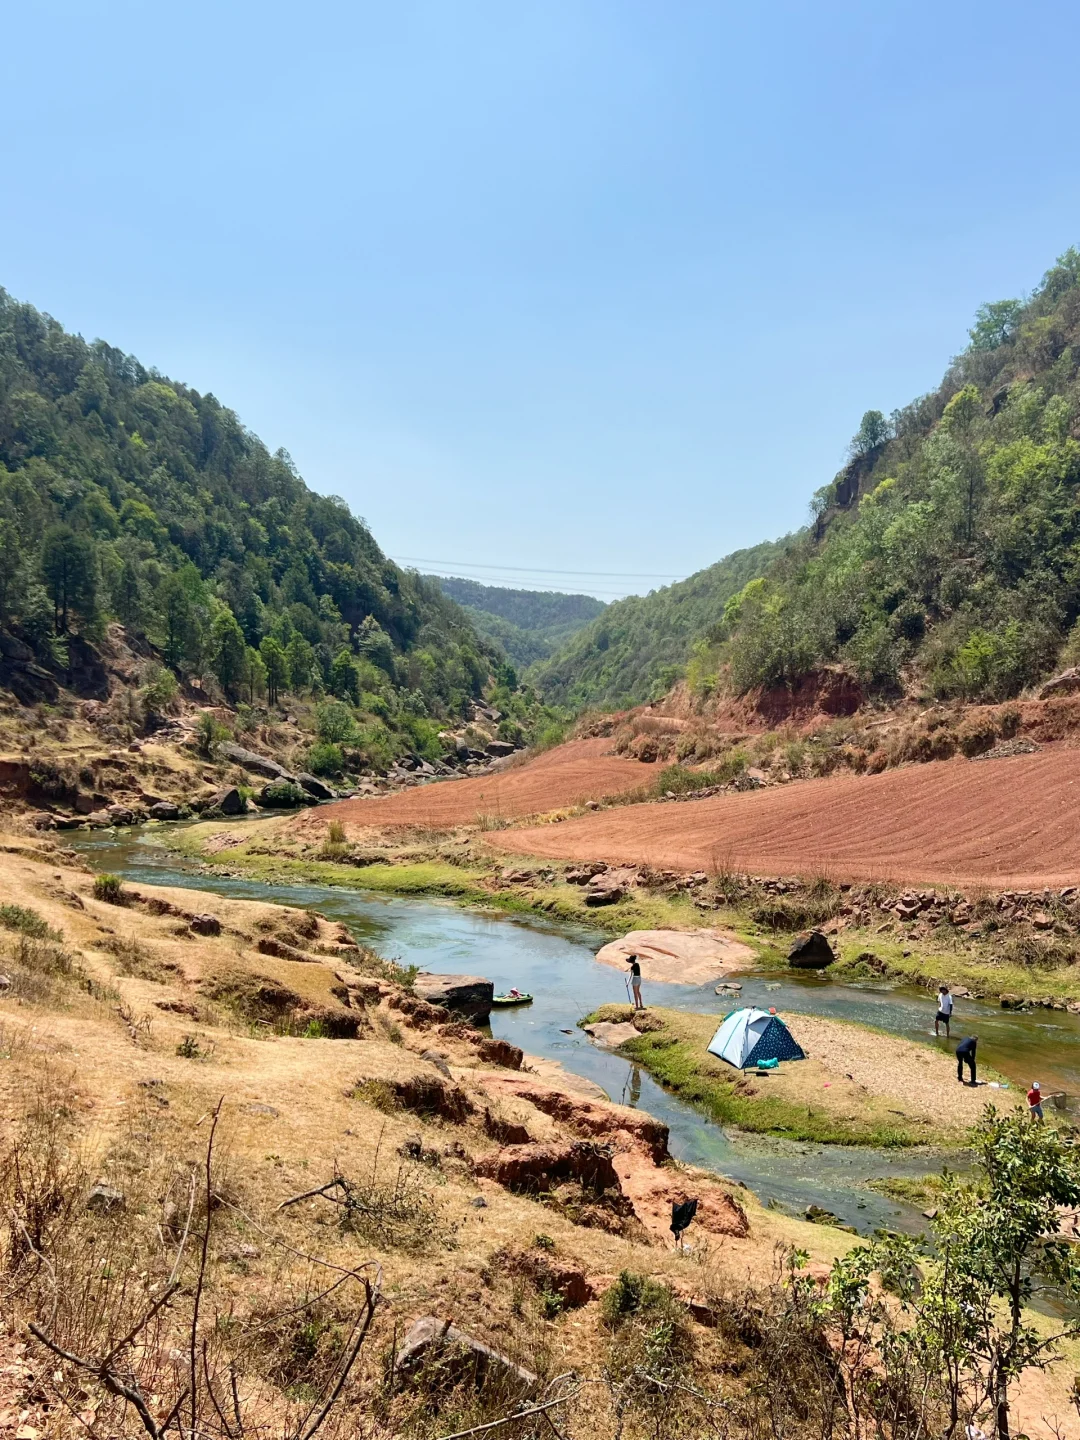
(1017, 947)
(857, 1086)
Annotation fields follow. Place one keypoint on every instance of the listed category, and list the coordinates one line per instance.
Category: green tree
(995, 323)
(375, 645)
(344, 682)
(996, 1250)
(334, 722)
(277, 667)
(254, 679)
(177, 619)
(69, 569)
(227, 651)
(301, 658)
(873, 431)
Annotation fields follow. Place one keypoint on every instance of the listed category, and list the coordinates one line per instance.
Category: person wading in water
(944, 1010)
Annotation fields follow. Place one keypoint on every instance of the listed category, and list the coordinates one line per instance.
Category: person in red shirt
(1035, 1101)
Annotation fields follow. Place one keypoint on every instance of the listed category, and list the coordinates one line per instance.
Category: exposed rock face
(468, 994)
(811, 952)
(460, 1354)
(315, 787)
(229, 801)
(498, 748)
(1067, 683)
(227, 750)
(597, 1119)
(501, 1052)
(164, 810)
(533, 1169)
(549, 1273)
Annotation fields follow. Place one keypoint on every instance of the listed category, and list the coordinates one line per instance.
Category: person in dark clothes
(965, 1054)
(635, 980)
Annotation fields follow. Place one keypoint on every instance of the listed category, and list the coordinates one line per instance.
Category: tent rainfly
(747, 1036)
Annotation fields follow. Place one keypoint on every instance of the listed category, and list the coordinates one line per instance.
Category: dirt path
(565, 776)
(1004, 823)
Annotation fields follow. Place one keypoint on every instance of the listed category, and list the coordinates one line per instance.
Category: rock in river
(468, 994)
(811, 951)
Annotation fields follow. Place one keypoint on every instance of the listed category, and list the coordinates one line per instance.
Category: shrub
(334, 723)
(26, 922)
(110, 889)
(283, 793)
(160, 690)
(976, 736)
(325, 759)
(210, 732)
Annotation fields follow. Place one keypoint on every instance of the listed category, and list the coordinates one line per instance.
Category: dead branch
(111, 1381)
(516, 1415)
(193, 1334)
(338, 1182)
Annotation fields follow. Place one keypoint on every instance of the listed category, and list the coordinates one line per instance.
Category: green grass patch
(674, 1054)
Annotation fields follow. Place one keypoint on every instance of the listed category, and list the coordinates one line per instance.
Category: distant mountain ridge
(529, 624)
(639, 646)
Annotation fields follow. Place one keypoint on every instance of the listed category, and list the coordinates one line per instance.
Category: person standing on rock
(944, 1010)
(965, 1054)
(635, 980)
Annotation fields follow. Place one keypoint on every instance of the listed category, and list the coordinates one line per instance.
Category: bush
(325, 759)
(283, 794)
(110, 888)
(334, 722)
(160, 690)
(26, 922)
(210, 732)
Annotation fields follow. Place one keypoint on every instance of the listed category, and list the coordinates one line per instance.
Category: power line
(533, 570)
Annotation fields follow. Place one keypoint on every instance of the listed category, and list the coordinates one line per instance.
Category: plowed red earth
(1011, 822)
(565, 776)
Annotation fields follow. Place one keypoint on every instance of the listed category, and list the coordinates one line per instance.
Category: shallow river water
(557, 964)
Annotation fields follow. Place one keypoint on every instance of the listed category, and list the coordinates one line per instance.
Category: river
(557, 964)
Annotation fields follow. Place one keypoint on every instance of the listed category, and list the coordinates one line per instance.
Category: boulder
(164, 810)
(460, 1357)
(603, 891)
(206, 925)
(121, 815)
(811, 951)
(104, 1198)
(228, 801)
(468, 994)
(498, 748)
(227, 750)
(315, 787)
(1067, 683)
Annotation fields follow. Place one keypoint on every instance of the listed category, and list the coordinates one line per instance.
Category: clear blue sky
(576, 285)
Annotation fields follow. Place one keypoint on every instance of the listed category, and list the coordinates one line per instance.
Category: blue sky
(544, 286)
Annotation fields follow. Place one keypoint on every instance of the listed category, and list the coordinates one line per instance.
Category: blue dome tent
(747, 1036)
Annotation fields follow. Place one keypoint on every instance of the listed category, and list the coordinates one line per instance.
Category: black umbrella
(682, 1213)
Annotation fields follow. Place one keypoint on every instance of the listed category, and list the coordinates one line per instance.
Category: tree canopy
(127, 495)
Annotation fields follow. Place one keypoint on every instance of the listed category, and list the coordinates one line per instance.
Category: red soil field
(1013, 822)
(557, 779)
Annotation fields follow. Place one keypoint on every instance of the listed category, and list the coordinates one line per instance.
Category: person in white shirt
(944, 1010)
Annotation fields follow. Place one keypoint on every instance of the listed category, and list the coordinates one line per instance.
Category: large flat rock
(468, 994)
(679, 957)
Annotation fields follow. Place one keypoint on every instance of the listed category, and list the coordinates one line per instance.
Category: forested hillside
(529, 624)
(946, 555)
(640, 646)
(127, 495)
